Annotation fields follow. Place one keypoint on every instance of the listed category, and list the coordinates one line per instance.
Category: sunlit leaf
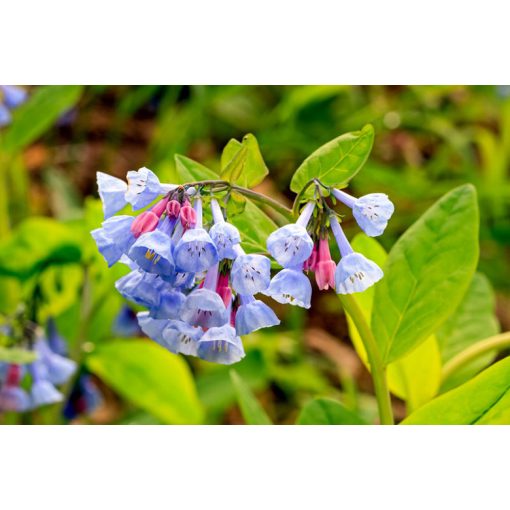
(326, 411)
(17, 356)
(189, 170)
(253, 413)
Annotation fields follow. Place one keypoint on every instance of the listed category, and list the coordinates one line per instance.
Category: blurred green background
(428, 140)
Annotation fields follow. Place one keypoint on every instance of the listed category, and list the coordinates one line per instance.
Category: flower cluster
(195, 280)
(10, 98)
(51, 368)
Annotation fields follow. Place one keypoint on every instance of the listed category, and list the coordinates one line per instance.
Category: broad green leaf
(326, 411)
(473, 320)
(246, 166)
(253, 413)
(16, 355)
(415, 377)
(483, 400)
(37, 243)
(255, 226)
(43, 108)
(336, 162)
(427, 274)
(150, 377)
(189, 170)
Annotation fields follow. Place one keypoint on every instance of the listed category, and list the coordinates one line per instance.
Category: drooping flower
(42, 392)
(144, 187)
(291, 286)
(291, 245)
(115, 238)
(253, 315)
(325, 266)
(12, 397)
(224, 235)
(112, 192)
(170, 304)
(195, 252)
(140, 288)
(59, 368)
(180, 337)
(125, 323)
(354, 273)
(84, 399)
(372, 211)
(250, 273)
(221, 345)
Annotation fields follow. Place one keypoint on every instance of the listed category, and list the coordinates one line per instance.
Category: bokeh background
(428, 140)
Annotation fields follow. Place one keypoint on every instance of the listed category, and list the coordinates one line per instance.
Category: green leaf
(150, 377)
(43, 108)
(37, 243)
(473, 320)
(253, 413)
(189, 170)
(326, 411)
(427, 274)
(18, 356)
(336, 162)
(415, 377)
(255, 226)
(246, 166)
(483, 400)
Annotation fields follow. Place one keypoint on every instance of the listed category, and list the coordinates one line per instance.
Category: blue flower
(125, 324)
(5, 115)
(195, 251)
(153, 328)
(108, 249)
(143, 188)
(56, 342)
(204, 307)
(13, 96)
(372, 211)
(170, 304)
(225, 236)
(84, 399)
(291, 245)
(153, 253)
(112, 192)
(291, 286)
(253, 315)
(42, 391)
(14, 398)
(118, 229)
(141, 288)
(250, 274)
(221, 345)
(180, 337)
(59, 369)
(355, 273)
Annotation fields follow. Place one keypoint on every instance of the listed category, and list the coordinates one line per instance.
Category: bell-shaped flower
(42, 391)
(141, 288)
(153, 253)
(170, 304)
(115, 238)
(253, 315)
(153, 328)
(112, 193)
(143, 188)
(5, 115)
(180, 337)
(354, 273)
(372, 211)
(13, 96)
(205, 308)
(224, 235)
(125, 324)
(12, 397)
(195, 252)
(221, 345)
(291, 286)
(108, 249)
(250, 273)
(55, 340)
(291, 245)
(325, 267)
(59, 368)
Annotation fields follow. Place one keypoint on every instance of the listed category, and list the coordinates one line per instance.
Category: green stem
(377, 368)
(497, 342)
(4, 195)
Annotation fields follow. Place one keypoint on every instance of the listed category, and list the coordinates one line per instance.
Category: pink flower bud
(160, 207)
(173, 208)
(188, 217)
(145, 222)
(311, 262)
(226, 294)
(325, 267)
(13, 375)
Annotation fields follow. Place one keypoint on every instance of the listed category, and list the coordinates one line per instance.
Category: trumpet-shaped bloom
(180, 337)
(253, 315)
(108, 249)
(225, 236)
(112, 193)
(118, 229)
(170, 304)
(14, 398)
(372, 211)
(195, 251)
(291, 245)
(141, 288)
(143, 188)
(153, 253)
(291, 286)
(221, 345)
(13, 96)
(355, 273)
(204, 307)
(250, 274)
(325, 267)
(58, 368)
(153, 328)
(42, 391)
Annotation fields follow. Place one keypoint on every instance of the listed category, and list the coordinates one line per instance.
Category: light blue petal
(170, 304)
(111, 192)
(143, 188)
(221, 345)
(13, 398)
(13, 96)
(118, 229)
(372, 213)
(290, 245)
(125, 324)
(153, 253)
(225, 236)
(204, 308)
(250, 274)
(141, 288)
(291, 286)
(180, 337)
(355, 273)
(195, 252)
(153, 328)
(254, 316)
(5, 115)
(108, 249)
(44, 393)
